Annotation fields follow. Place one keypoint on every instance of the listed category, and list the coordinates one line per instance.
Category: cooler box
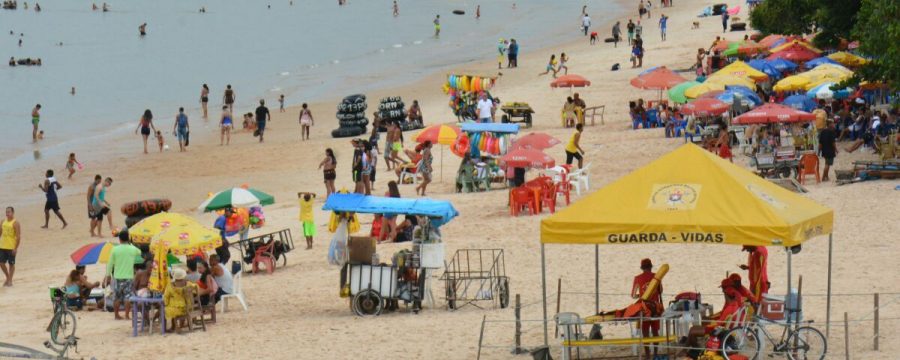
(382, 279)
(361, 249)
(431, 256)
(771, 307)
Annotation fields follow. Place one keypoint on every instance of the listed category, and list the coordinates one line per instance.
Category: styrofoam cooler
(432, 255)
(383, 279)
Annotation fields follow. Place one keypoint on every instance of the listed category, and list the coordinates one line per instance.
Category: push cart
(476, 275)
(782, 164)
(284, 243)
(517, 110)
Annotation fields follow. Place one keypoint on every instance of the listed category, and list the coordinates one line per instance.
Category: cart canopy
(440, 211)
(490, 127)
(689, 196)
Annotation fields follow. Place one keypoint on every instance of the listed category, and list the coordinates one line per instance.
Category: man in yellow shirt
(10, 238)
(306, 217)
(573, 149)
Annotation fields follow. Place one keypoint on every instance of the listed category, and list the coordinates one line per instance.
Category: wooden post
(480, 337)
(876, 322)
(518, 349)
(846, 338)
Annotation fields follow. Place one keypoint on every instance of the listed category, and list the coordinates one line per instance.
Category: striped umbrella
(236, 198)
(92, 253)
(439, 134)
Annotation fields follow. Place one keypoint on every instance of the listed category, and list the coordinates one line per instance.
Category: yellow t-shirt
(8, 240)
(306, 210)
(570, 147)
(820, 118)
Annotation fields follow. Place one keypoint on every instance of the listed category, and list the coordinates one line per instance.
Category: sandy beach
(296, 313)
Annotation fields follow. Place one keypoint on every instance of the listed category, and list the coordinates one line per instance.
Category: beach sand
(297, 313)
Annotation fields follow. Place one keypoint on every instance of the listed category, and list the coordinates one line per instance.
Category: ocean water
(307, 51)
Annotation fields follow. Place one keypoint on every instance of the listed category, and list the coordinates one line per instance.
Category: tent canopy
(473, 127)
(440, 211)
(689, 196)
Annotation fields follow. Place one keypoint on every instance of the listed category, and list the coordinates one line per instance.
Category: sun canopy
(440, 211)
(689, 196)
(473, 127)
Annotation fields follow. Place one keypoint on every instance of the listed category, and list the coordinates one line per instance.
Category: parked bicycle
(62, 325)
(796, 342)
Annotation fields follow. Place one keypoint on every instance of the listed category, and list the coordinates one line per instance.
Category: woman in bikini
(226, 123)
(328, 165)
(306, 121)
(145, 125)
(204, 99)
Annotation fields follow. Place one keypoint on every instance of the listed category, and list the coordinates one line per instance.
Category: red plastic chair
(265, 255)
(564, 188)
(548, 197)
(520, 198)
(809, 165)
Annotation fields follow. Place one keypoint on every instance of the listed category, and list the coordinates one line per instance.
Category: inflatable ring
(347, 132)
(459, 12)
(146, 207)
(460, 146)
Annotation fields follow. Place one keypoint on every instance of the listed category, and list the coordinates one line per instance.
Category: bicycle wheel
(741, 341)
(62, 327)
(806, 344)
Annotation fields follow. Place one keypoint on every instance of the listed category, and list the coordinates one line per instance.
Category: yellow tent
(726, 79)
(694, 91)
(689, 196)
(792, 83)
(742, 70)
(848, 59)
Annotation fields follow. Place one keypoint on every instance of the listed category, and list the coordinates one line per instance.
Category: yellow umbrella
(145, 230)
(159, 276)
(818, 78)
(439, 134)
(741, 69)
(726, 79)
(831, 68)
(848, 59)
(792, 83)
(791, 43)
(186, 239)
(695, 91)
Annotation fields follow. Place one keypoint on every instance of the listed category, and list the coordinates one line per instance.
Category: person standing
(101, 207)
(501, 49)
(828, 147)
(229, 97)
(90, 204)
(145, 125)
(513, 54)
(10, 239)
(757, 264)
(477, 12)
(425, 168)
(49, 187)
(485, 108)
(437, 25)
(724, 142)
(306, 121)
(663, 22)
(396, 9)
(182, 128)
(204, 100)
(616, 33)
(120, 267)
(35, 120)
(328, 170)
(143, 29)
(226, 123)
(653, 300)
(630, 28)
(573, 148)
(725, 20)
(585, 23)
(262, 116)
(307, 221)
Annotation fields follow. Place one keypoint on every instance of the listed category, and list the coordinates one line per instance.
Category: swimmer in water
(437, 26)
(143, 29)
(396, 8)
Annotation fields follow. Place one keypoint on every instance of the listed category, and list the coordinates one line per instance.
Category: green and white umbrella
(236, 198)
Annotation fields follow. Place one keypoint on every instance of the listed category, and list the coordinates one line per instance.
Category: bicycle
(62, 325)
(798, 343)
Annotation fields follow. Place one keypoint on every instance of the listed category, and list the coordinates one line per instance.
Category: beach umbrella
(145, 230)
(570, 81)
(92, 253)
(727, 96)
(765, 67)
(770, 39)
(236, 198)
(800, 102)
(695, 91)
(793, 52)
(823, 91)
(831, 68)
(772, 113)
(848, 59)
(525, 158)
(705, 107)
(782, 65)
(676, 94)
(751, 47)
(796, 44)
(659, 78)
(727, 79)
(825, 73)
(186, 239)
(536, 140)
(791, 83)
(819, 61)
(741, 69)
(439, 134)
(746, 93)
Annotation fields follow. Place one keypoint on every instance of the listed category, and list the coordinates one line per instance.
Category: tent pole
(596, 278)
(828, 297)
(788, 272)
(544, 291)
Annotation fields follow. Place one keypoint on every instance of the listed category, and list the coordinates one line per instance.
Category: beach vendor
(653, 300)
(756, 268)
(221, 224)
(307, 222)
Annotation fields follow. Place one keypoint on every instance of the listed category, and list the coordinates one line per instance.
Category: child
(281, 103)
(160, 140)
(70, 165)
(306, 217)
(40, 135)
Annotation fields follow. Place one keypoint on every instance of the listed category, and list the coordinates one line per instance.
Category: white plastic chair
(405, 172)
(586, 176)
(238, 293)
(742, 138)
(575, 180)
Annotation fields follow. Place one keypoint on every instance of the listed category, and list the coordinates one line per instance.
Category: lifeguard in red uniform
(653, 300)
(756, 267)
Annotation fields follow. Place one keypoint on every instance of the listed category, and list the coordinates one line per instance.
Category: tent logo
(674, 196)
(766, 197)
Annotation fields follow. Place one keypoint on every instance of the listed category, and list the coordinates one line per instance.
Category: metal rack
(475, 275)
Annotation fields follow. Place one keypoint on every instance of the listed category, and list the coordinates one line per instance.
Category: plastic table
(142, 306)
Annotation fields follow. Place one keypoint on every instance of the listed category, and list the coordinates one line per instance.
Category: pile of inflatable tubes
(468, 83)
(392, 109)
(136, 211)
(351, 115)
(479, 143)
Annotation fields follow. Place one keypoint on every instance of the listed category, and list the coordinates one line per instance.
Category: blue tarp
(440, 211)
(490, 127)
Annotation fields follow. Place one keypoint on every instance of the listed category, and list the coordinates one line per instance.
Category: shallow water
(306, 51)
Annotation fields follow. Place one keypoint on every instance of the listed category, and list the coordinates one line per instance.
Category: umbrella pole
(596, 279)
(544, 291)
(788, 272)
(828, 297)
(442, 164)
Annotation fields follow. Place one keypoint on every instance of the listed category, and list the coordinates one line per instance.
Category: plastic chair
(809, 165)
(409, 170)
(194, 313)
(521, 197)
(548, 197)
(265, 255)
(575, 180)
(237, 293)
(652, 119)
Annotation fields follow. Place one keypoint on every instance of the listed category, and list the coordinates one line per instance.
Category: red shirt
(758, 275)
(640, 285)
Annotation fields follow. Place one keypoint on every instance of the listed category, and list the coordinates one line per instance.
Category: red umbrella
(771, 39)
(536, 140)
(705, 107)
(660, 78)
(570, 81)
(524, 158)
(751, 47)
(795, 53)
(773, 113)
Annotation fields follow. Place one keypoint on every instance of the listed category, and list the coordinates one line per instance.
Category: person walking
(396, 9)
(120, 267)
(573, 148)
(306, 121)
(828, 147)
(437, 25)
(307, 221)
(663, 22)
(725, 21)
(35, 120)
(630, 27)
(262, 116)
(563, 59)
(425, 168)
(226, 123)
(485, 108)
(229, 97)
(90, 201)
(204, 100)
(585, 23)
(512, 54)
(182, 129)
(100, 206)
(616, 33)
(145, 125)
(551, 66)
(49, 187)
(10, 239)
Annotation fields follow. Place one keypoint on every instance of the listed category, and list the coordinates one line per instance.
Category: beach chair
(409, 171)
(581, 178)
(194, 315)
(482, 178)
(264, 254)
(237, 293)
(809, 165)
(520, 198)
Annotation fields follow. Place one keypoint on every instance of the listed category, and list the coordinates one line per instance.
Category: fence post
(876, 322)
(846, 338)
(481, 337)
(518, 349)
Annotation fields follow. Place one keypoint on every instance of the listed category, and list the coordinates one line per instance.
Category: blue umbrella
(648, 70)
(748, 96)
(819, 61)
(778, 43)
(800, 102)
(765, 67)
(824, 91)
(782, 64)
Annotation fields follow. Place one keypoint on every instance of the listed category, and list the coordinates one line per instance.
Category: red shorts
(650, 324)
(725, 152)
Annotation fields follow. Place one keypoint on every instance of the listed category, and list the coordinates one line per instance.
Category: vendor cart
(476, 275)
(781, 164)
(517, 110)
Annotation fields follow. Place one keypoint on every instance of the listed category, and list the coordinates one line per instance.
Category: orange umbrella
(705, 107)
(660, 78)
(570, 81)
(439, 134)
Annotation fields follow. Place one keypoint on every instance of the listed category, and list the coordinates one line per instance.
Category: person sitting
(83, 282)
(206, 284)
(175, 301)
(192, 274)
(404, 231)
(568, 113)
(73, 291)
(222, 276)
(249, 123)
(713, 323)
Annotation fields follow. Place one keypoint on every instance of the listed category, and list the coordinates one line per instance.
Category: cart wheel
(504, 119)
(367, 303)
(528, 120)
(503, 289)
(451, 296)
(784, 172)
